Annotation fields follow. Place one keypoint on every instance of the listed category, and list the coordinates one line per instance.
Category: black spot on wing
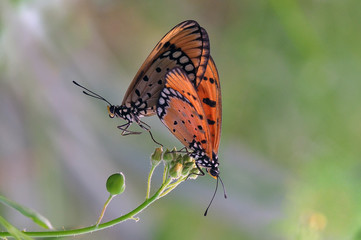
(210, 122)
(209, 102)
(137, 92)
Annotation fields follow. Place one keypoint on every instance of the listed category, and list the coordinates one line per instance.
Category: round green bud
(116, 184)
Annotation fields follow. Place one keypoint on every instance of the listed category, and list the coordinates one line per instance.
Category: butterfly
(186, 46)
(194, 115)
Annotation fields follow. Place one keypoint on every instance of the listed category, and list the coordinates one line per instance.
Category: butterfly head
(121, 111)
(214, 172)
(111, 111)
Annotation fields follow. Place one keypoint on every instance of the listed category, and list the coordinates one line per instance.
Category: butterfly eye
(111, 111)
(214, 173)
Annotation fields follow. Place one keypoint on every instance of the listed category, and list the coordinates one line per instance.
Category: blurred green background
(290, 149)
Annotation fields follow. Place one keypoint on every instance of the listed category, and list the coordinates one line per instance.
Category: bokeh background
(290, 149)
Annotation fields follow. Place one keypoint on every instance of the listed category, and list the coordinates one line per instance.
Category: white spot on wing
(191, 76)
(166, 91)
(183, 59)
(172, 91)
(161, 100)
(159, 111)
(177, 54)
(189, 67)
(166, 53)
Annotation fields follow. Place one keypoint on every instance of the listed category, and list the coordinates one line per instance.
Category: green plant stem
(104, 208)
(150, 180)
(171, 187)
(165, 171)
(94, 228)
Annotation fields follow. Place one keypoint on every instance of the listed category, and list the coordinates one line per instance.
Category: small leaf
(30, 213)
(16, 233)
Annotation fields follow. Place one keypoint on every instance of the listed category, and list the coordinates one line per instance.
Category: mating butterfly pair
(178, 81)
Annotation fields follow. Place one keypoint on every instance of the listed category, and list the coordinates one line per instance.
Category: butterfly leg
(198, 174)
(147, 128)
(182, 150)
(125, 131)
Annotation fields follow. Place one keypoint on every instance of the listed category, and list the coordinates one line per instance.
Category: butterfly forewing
(209, 92)
(185, 46)
(180, 109)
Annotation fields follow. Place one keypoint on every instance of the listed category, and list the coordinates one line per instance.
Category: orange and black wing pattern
(209, 92)
(185, 46)
(181, 111)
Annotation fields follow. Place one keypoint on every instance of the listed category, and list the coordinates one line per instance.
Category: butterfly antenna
(224, 189)
(214, 194)
(91, 93)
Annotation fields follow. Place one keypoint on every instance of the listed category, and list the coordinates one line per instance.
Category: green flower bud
(190, 165)
(187, 158)
(176, 170)
(157, 156)
(179, 159)
(186, 171)
(167, 155)
(116, 184)
(174, 152)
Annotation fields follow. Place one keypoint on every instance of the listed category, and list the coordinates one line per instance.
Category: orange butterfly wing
(185, 46)
(181, 110)
(209, 92)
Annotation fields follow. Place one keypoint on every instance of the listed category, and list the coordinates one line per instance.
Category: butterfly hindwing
(181, 110)
(209, 92)
(185, 46)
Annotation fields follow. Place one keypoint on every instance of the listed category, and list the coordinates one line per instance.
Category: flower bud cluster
(179, 165)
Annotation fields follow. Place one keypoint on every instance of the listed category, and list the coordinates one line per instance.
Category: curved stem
(150, 180)
(104, 208)
(165, 171)
(171, 187)
(94, 228)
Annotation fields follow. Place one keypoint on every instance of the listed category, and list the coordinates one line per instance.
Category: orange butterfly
(186, 46)
(194, 116)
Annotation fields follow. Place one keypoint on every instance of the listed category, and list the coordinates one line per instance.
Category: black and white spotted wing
(185, 46)
(181, 111)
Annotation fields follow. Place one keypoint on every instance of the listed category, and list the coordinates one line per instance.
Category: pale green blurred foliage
(289, 155)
